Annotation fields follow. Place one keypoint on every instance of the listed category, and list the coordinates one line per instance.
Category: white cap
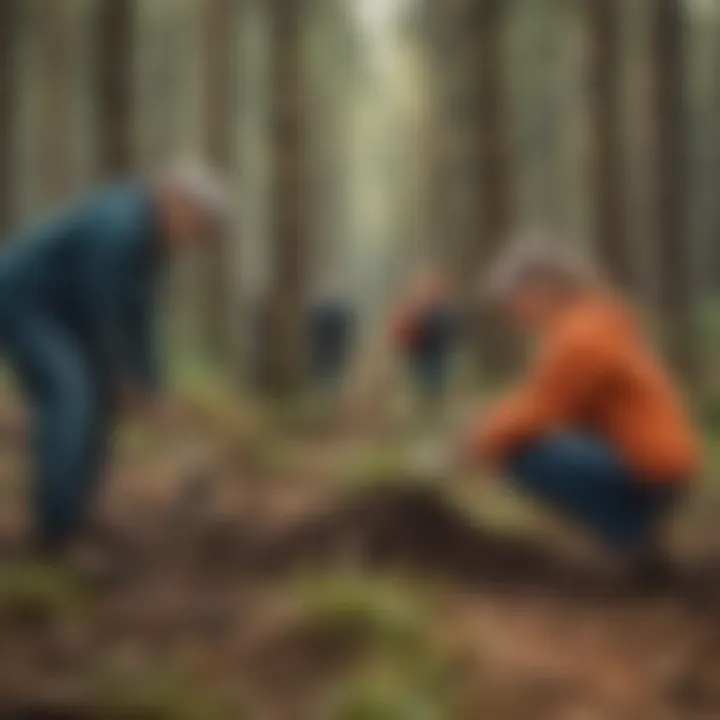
(202, 185)
(532, 256)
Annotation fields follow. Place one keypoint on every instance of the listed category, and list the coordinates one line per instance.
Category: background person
(424, 331)
(332, 324)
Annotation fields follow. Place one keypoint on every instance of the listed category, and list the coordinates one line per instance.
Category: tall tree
(674, 249)
(115, 40)
(221, 32)
(450, 129)
(57, 131)
(494, 166)
(604, 20)
(288, 293)
(715, 232)
(9, 29)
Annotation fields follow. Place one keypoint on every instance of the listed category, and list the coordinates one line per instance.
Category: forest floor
(315, 579)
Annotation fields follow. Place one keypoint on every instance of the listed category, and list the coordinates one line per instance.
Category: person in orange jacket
(598, 430)
(424, 332)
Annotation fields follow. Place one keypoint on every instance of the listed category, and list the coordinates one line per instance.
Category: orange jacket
(595, 373)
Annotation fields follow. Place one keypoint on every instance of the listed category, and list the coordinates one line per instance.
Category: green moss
(414, 690)
(38, 592)
(157, 694)
(383, 465)
(378, 613)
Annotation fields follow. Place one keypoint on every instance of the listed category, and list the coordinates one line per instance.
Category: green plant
(38, 592)
(157, 694)
(378, 613)
(391, 693)
(382, 465)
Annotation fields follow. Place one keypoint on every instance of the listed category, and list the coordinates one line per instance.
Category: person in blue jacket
(78, 298)
(331, 325)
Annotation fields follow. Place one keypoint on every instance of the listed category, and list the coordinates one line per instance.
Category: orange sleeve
(565, 375)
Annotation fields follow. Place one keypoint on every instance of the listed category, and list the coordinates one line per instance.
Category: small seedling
(37, 592)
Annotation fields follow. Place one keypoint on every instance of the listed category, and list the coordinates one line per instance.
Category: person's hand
(464, 455)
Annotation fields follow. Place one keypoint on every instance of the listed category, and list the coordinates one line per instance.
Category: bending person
(77, 309)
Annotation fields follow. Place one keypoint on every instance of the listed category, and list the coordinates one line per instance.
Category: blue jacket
(95, 270)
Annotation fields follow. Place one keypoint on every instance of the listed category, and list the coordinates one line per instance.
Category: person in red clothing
(598, 429)
(424, 331)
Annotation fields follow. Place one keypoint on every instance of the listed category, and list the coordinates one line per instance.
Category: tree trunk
(288, 294)
(9, 28)
(453, 38)
(494, 174)
(115, 35)
(675, 252)
(447, 149)
(58, 129)
(494, 167)
(715, 251)
(221, 32)
(604, 24)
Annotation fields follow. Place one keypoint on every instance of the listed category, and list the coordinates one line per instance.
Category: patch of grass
(414, 690)
(242, 430)
(378, 613)
(38, 592)
(300, 415)
(711, 438)
(267, 454)
(136, 439)
(157, 694)
(383, 465)
(402, 672)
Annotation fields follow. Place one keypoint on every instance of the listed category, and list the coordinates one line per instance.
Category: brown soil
(201, 570)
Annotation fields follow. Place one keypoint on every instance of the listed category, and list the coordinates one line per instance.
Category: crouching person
(77, 309)
(597, 431)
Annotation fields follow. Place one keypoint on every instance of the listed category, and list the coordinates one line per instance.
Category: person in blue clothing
(78, 298)
(331, 330)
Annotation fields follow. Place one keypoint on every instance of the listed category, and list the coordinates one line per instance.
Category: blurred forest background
(365, 136)
(272, 574)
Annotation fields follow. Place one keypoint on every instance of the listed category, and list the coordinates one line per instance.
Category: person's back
(597, 430)
(331, 325)
(436, 328)
(423, 330)
(633, 401)
(57, 265)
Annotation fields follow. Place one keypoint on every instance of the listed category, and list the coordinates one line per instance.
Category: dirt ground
(282, 591)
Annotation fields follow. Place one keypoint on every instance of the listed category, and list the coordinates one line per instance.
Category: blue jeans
(71, 414)
(585, 480)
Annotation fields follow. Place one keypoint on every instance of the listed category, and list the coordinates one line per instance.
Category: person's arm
(122, 310)
(140, 342)
(564, 378)
(104, 312)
